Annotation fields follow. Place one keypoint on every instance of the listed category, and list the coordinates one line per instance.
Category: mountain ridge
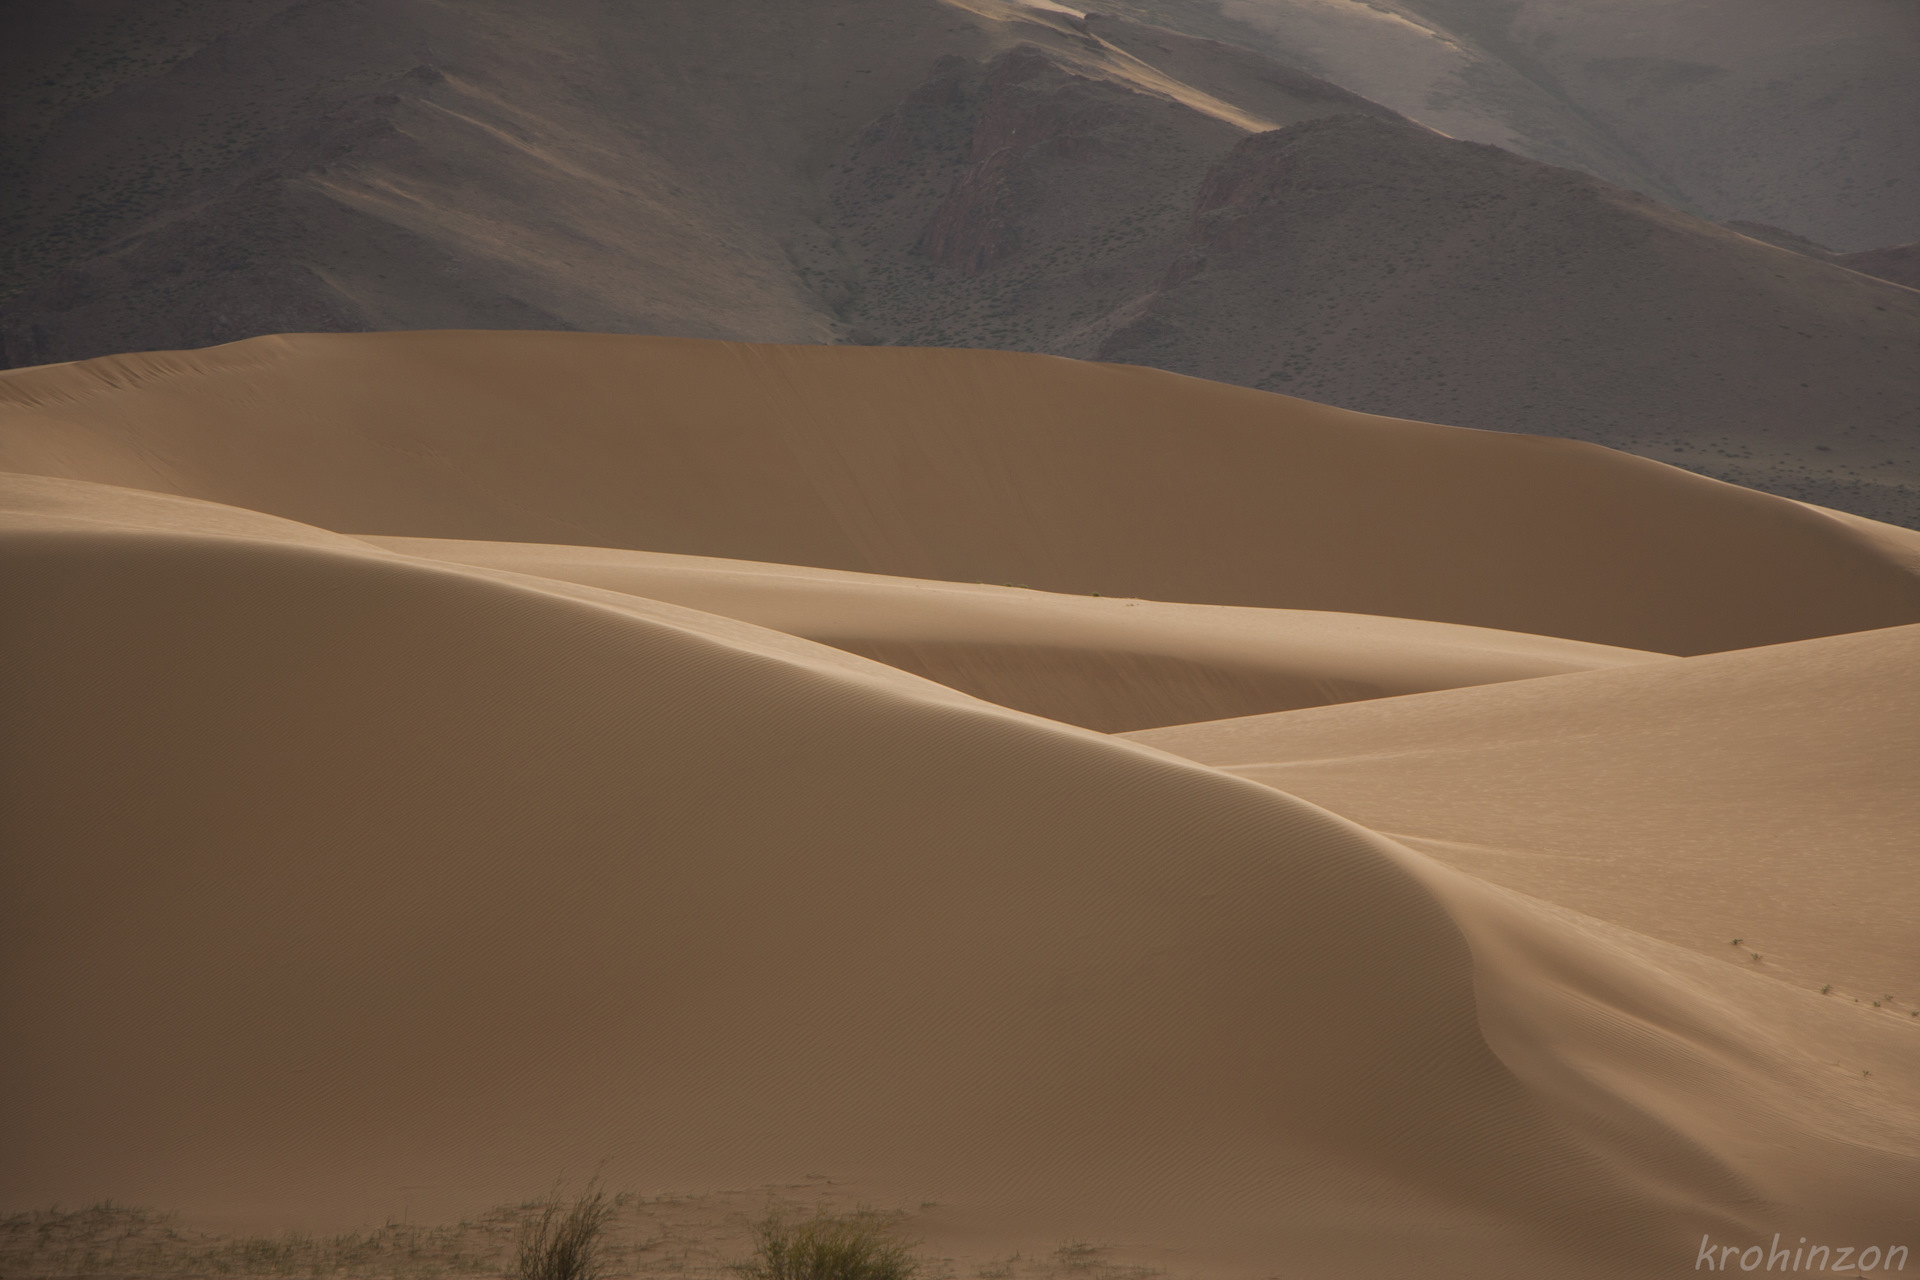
(847, 171)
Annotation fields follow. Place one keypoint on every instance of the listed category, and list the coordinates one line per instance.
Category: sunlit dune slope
(962, 466)
(420, 880)
(1769, 796)
(43, 503)
(1103, 664)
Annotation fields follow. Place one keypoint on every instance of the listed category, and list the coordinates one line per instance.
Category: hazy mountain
(916, 172)
(1778, 111)
(1364, 261)
(1899, 263)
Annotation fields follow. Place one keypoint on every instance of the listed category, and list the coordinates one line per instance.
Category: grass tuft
(855, 1246)
(564, 1242)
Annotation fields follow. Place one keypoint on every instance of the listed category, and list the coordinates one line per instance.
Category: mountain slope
(974, 174)
(1899, 263)
(1361, 261)
(320, 165)
(1771, 111)
(1495, 293)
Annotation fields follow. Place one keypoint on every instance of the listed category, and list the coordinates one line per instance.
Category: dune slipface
(1766, 795)
(344, 875)
(964, 466)
(1100, 663)
(1097, 662)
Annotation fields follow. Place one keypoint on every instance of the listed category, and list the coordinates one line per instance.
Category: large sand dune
(1099, 663)
(415, 878)
(963, 467)
(1767, 795)
(350, 869)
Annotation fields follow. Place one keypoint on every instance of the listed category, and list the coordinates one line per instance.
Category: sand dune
(441, 762)
(963, 467)
(1753, 811)
(337, 877)
(1103, 664)
(1767, 795)
(1099, 663)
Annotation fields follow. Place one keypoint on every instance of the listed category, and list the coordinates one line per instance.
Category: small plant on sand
(563, 1242)
(1078, 1255)
(855, 1246)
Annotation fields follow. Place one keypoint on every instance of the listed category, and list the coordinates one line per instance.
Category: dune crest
(966, 466)
(1765, 795)
(1103, 664)
(1097, 662)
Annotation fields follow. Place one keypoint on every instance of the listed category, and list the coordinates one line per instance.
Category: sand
(1771, 796)
(1093, 661)
(963, 466)
(352, 871)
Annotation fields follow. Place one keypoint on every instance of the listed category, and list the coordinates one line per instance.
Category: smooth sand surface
(1100, 663)
(1111, 665)
(961, 466)
(413, 877)
(1770, 795)
(342, 881)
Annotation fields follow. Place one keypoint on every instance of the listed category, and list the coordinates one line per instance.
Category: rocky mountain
(934, 172)
(1776, 111)
(1899, 263)
(1361, 260)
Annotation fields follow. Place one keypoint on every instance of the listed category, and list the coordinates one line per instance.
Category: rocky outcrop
(1030, 109)
(1899, 263)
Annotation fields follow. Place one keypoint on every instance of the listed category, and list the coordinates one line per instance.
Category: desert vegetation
(862, 1245)
(589, 1235)
(562, 1241)
(119, 1240)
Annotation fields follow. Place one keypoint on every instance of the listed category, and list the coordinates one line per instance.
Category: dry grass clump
(118, 1240)
(856, 1246)
(566, 1242)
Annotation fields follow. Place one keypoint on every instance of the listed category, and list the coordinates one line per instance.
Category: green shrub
(856, 1246)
